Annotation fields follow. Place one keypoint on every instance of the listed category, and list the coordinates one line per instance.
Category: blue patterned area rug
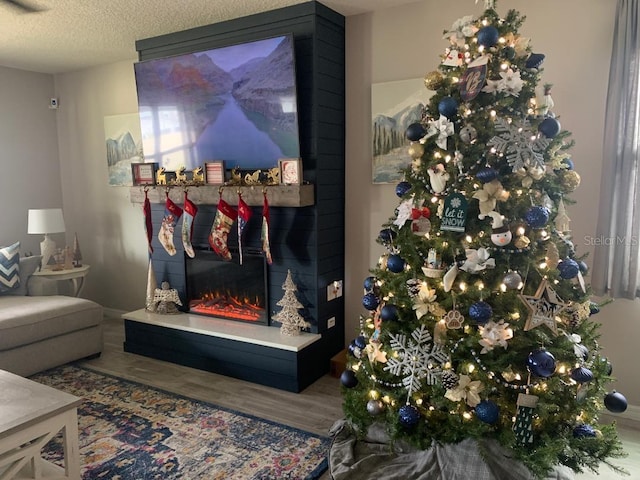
(129, 431)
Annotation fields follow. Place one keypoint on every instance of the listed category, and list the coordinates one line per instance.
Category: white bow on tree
(442, 127)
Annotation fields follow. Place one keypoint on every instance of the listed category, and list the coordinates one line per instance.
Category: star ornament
(543, 307)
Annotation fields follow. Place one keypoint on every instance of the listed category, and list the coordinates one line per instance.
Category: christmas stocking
(225, 216)
(524, 418)
(190, 210)
(266, 249)
(148, 224)
(172, 214)
(244, 214)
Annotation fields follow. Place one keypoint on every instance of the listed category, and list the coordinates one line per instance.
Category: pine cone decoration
(413, 286)
(449, 379)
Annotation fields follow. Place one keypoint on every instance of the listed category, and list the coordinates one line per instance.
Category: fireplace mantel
(277, 195)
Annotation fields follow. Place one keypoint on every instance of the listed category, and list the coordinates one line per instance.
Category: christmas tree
(289, 316)
(479, 322)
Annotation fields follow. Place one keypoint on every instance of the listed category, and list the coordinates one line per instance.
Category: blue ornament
(370, 301)
(415, 132)
(487, 412)
(584, 268)
(354, 350)
(348, 379)
(608, 368)
(536, 216)
(615, 402)
(549, 127)
(402, 188)
(488, 36)
(408, 415)
(369, 283)
(389, 313)
(582, 375)
(568, 268)
(541, 363)
(535, 60)
(360, 341)
(568, 162)
(480, 312)
(387, 235)
(582, 431)
(487, 174)
(593, 308)
(395, 263)
(448, 107)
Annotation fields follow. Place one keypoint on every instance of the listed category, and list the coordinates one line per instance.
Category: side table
(75, 275)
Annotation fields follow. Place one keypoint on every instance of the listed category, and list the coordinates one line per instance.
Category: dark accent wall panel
(309, 240)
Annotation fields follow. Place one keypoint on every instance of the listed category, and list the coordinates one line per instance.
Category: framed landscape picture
(394, 106)
(123, 140)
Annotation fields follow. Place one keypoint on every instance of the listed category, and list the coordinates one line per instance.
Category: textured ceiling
(68, 35)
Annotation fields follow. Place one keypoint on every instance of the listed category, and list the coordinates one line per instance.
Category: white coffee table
(31, 414)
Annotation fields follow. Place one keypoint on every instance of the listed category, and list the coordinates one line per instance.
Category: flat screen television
(235, 103)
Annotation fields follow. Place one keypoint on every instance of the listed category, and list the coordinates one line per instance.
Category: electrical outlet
(331, 322)
(334, 290)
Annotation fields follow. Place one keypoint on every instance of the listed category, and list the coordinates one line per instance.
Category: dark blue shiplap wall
(308, 240)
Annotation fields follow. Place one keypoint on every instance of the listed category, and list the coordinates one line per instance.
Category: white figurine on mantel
(289, 316)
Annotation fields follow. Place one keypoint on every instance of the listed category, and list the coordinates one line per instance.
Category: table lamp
(46, 221)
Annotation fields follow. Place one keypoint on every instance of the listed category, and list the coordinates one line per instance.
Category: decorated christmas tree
(479, 320)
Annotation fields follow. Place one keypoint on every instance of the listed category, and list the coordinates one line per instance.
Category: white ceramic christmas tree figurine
(289, 316)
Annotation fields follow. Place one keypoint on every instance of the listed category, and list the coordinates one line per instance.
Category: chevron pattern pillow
(10, 267)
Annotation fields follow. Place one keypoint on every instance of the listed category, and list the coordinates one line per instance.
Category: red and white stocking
(190, 211)
(172, 214)
(225, 216)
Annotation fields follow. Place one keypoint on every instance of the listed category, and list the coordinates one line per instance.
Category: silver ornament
(468, 134)
(512, 280)
(375, 407)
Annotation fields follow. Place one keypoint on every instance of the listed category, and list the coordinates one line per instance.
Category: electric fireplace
(226, 289)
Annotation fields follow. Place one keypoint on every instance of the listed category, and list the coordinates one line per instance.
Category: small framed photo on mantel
(290, 171)
(214, 172)
(144, 173)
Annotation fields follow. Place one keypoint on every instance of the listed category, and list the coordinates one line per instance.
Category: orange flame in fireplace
(227, 306)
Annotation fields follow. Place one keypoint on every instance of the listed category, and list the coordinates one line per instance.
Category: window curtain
(616, 264)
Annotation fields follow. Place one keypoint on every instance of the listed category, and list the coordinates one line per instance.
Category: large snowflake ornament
(416, 359)
(522, 147)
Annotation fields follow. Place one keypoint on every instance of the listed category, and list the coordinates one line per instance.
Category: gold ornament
(570, 180)
(433, 80)
(543, 308)
(522, 242)
(416, 150)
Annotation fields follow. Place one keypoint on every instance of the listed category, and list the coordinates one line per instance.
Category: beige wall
(395, 44)
(109, 227)
(29, 154)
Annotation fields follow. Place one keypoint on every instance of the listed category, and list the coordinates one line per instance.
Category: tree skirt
(351, 459)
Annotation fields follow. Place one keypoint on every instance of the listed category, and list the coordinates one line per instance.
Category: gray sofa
(41, 332)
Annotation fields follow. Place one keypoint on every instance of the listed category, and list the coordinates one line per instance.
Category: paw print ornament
(453, 319)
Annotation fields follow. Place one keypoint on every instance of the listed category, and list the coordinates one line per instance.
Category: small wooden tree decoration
(77, 254)
(289, 316)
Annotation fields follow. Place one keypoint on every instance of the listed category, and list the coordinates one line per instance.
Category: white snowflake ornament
(416, 359)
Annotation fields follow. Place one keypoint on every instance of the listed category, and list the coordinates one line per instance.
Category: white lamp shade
(45, 220)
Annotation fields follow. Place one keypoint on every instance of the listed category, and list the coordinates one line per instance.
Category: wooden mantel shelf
(277, 195)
